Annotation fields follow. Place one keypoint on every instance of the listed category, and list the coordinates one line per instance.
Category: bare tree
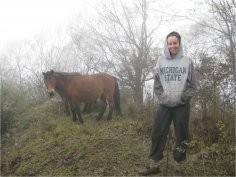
(85, 50)
(213, 38)
(124, 42)
(224, 12)
(221, 29)
(213, 46)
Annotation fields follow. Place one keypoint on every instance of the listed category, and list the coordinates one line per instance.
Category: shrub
(13, 102)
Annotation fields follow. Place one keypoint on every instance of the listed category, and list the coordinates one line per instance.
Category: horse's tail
(116, 96)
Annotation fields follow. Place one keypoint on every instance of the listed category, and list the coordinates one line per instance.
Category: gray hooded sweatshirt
(174, 81)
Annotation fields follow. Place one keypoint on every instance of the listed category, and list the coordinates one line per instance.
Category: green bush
(13, 103)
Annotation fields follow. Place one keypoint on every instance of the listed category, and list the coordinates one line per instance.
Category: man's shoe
(149, 171)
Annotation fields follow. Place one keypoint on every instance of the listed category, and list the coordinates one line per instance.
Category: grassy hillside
(45, 142)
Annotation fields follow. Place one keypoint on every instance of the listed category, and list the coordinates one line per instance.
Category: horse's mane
(64, 75)
(69, 73)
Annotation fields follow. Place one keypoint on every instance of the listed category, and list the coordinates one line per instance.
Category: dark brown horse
(101, 88)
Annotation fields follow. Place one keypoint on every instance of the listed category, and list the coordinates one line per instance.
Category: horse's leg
(66, 104)
(87, 108)
(110, 104)
(103, 103)
(67, 107)
(73, 110)
(79, 114)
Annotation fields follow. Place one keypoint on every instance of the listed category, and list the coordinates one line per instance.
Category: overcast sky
(23, 19)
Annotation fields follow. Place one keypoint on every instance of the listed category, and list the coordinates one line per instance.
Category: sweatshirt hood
(167, 52)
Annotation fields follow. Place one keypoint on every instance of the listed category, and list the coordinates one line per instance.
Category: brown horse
(61, 91)
(101, 88)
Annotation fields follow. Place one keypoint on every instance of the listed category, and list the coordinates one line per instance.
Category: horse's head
(50, 82)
